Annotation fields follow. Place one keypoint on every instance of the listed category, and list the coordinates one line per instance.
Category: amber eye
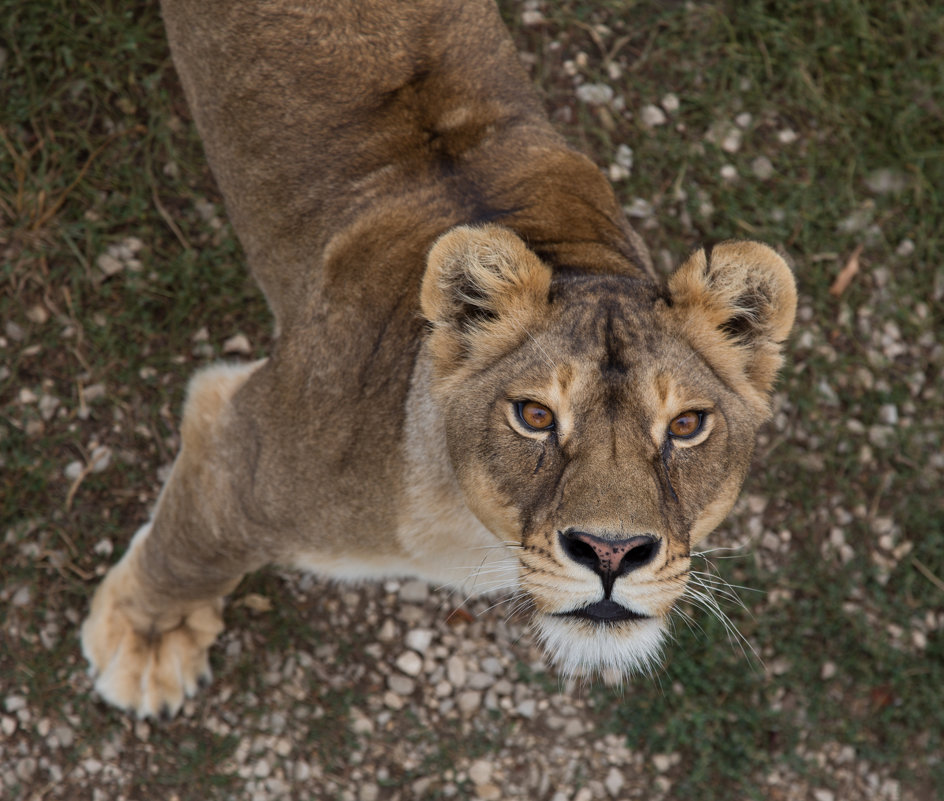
(535, 415)
(686, 425)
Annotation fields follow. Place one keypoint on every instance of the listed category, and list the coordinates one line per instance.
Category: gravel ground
(402, 691)
(413, 668)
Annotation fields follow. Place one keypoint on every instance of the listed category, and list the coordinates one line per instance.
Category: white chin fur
(582, 648)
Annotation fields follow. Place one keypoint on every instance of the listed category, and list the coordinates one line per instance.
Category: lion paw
(148, 672)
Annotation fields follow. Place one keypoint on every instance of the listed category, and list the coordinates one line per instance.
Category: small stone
(887, 181)
(614, 782)
(531, 18)
(109, 265)
(73, 470)
(744, 119)
(639, 208)
(93, 392)
(824, 795)
(22, 597)
(37, 314)
(368, 792)
(388, 631)
(729, 172)
(27, 396)
(261, 769)
(238, 344)
(480, 772)
(393, 701)
(731, 141)
(828, 670)
(662, 762)
(26, 769)
(888, 414)
(469, 701)
(410, 663)
(595, 94)
(527, 708)
(488, 792)
(419, 640)
(652, 116)
(881, 436)
(455, 671)
(401, 685)
(14, 703)
(100, 458)
(670, 102)
(92, 766)
(480, 680)
(787, 136)
(47, 406)
(493, 666)
(762, 167)
(64, 735)
(573, 728)
(7, 725)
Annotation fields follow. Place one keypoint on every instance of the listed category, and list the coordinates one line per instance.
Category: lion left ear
(736, 303)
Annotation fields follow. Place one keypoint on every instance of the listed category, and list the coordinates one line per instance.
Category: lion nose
(609, 558)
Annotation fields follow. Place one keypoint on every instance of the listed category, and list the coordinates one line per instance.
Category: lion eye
(686, 425)
(535, 415)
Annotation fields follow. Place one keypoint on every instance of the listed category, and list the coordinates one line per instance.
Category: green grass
(97, 146)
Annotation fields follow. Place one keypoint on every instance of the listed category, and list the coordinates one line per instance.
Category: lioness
(474, 353)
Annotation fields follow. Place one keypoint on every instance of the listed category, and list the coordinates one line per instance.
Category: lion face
(602, 424)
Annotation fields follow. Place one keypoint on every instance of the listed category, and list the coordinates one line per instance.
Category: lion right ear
(482, 290)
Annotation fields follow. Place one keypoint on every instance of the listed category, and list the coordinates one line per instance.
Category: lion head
(602, 424)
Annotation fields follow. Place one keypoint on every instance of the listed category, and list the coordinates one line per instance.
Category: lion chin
(615, 651)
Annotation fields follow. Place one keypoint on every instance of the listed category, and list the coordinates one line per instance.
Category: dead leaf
(459, 615)
(846, 274)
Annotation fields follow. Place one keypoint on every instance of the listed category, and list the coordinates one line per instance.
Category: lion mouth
(604, 612)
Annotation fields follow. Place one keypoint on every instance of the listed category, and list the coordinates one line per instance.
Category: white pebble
(109, 265)
(455, 671)
(614, 782)
(410, 663)
(100, 459)
(595, 94)
(670, 102)
(662, 762)
(888, 414)
(480, 772)
(531, 18)
(419, 640)
(401, 685)
(731, 141)
(762, 167)
(652, 116)
(238, 344)
(469, 701)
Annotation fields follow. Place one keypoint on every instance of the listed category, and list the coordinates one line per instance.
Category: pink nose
(609, 558)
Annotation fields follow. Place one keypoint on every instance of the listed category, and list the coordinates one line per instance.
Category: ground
(814, 126)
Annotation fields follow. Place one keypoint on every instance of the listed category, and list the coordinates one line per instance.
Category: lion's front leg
(158, 611)
(147, 655)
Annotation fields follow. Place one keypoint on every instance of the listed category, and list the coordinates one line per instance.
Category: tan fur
(435, 255)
